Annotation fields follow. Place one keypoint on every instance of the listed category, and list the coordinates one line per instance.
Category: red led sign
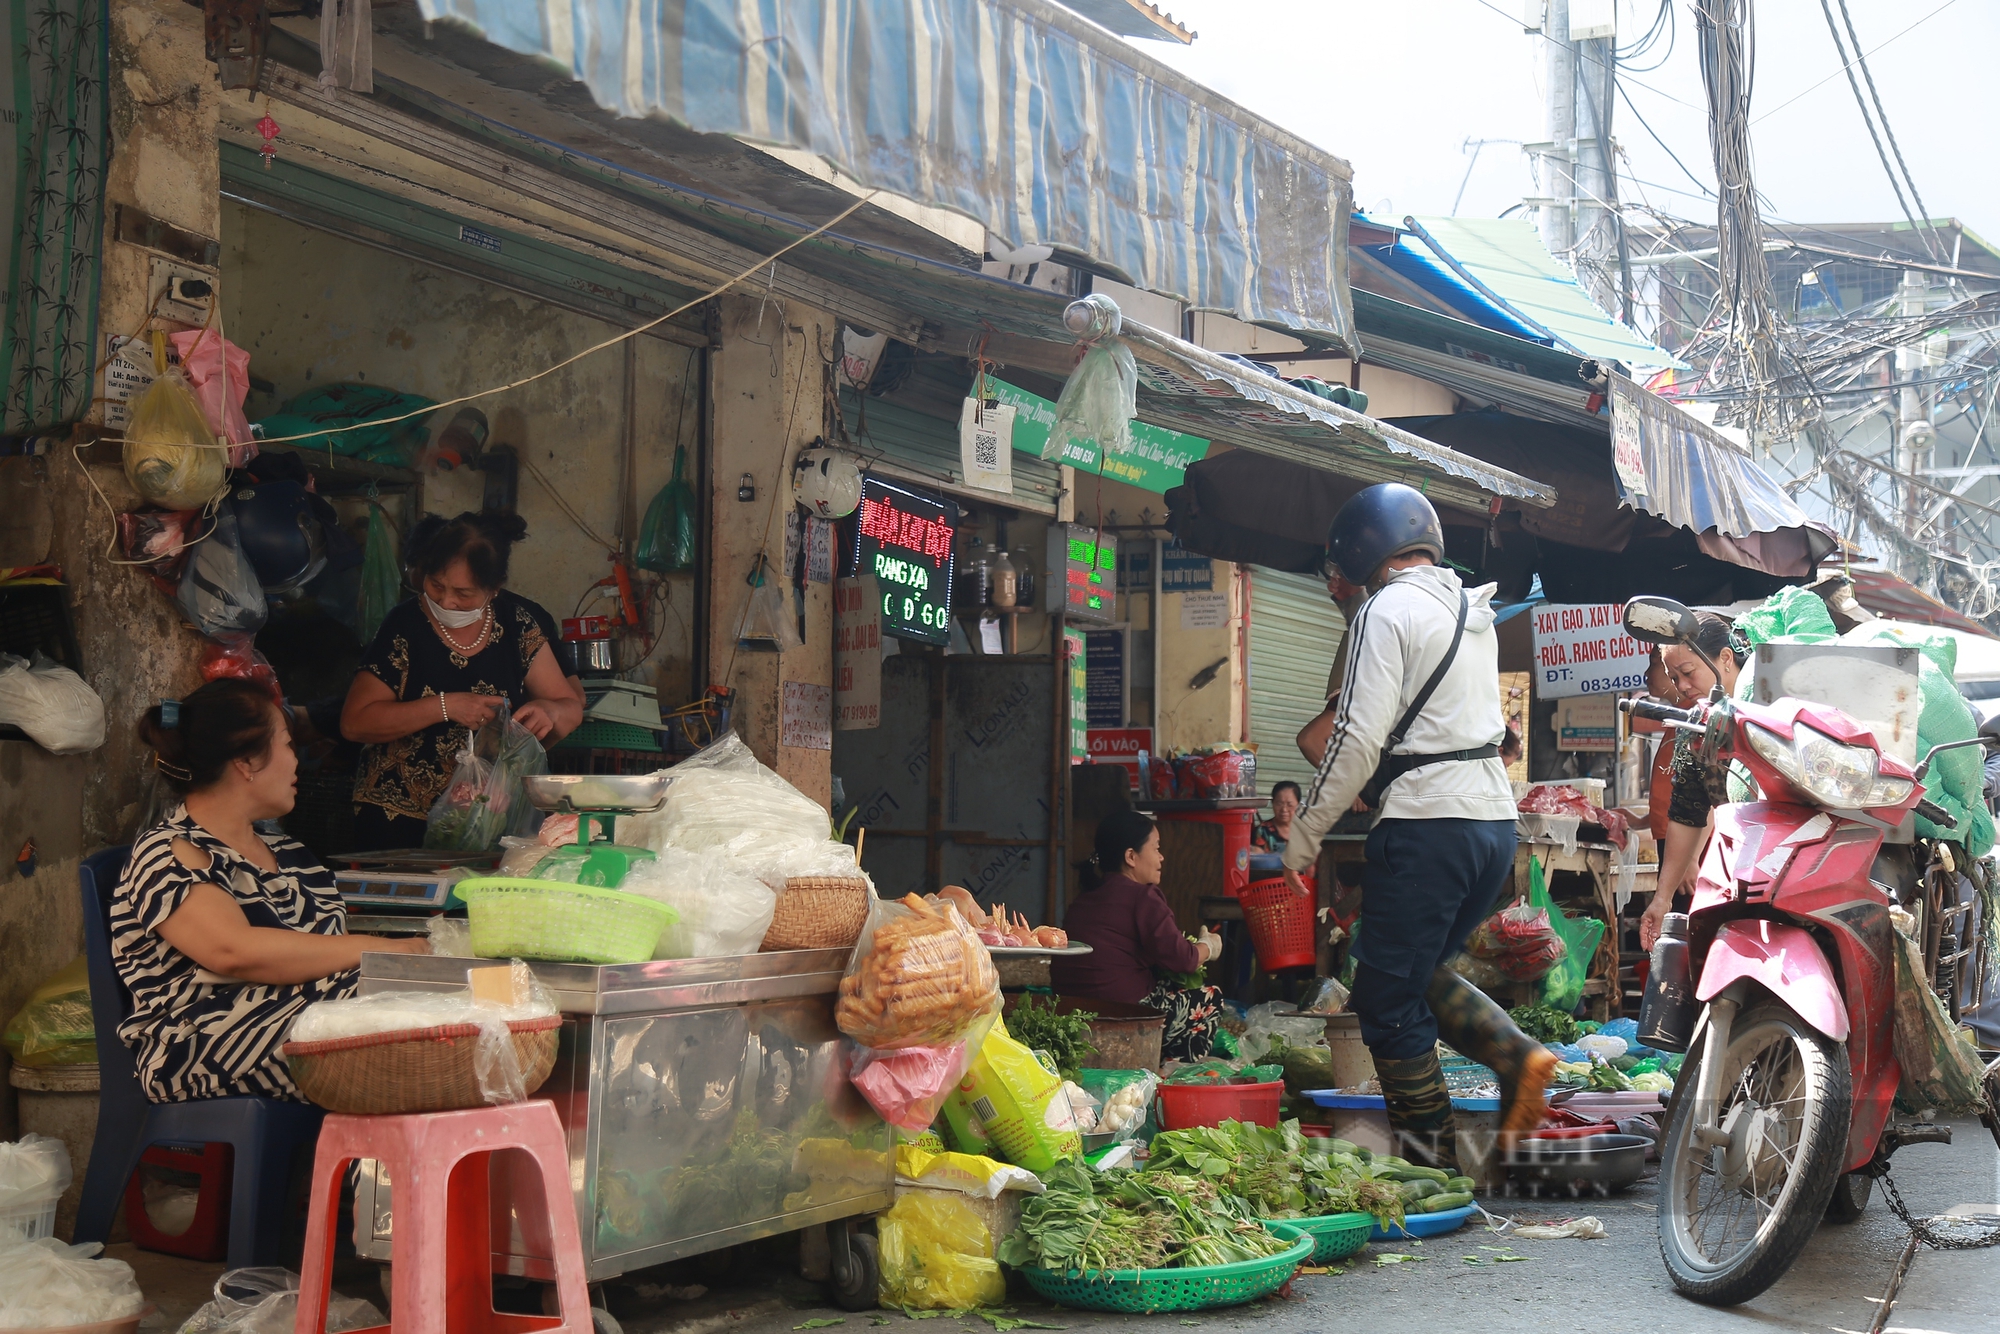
(883, 521)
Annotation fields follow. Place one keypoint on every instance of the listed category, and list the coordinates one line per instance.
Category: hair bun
(508, 528)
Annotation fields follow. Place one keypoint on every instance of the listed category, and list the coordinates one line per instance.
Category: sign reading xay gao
(1584, 650)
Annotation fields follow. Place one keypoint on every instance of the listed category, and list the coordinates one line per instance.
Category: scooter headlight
(1840, 775)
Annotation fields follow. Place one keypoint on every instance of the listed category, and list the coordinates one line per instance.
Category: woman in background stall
(1139, 956)
(443, 663)
(1270, 835)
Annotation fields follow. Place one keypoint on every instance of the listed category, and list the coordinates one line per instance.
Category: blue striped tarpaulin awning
(1014, 113)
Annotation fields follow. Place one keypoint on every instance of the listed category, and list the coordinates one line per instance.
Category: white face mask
(454, 620)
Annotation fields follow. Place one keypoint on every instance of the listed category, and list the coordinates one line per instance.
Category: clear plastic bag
(486, 798)
(494, 1061)
(1101, 396)
(33, 1170)
(219, 592)
(47, 1285)
(718, 794)
(1941, 1067)
(937, 1256)
(725, 907)
(381, 577)
(55, 1027)
(769, 615)
(450, 936)
(171, 457)
(52, 704)
(157, 540)
(1124, 1098)
(266, 1301)
(918, 978)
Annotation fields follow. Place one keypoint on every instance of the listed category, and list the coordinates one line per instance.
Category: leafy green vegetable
(1545, 1023)
(1608, 1079)
(1065, 1037)
(822, 1324)
(1129, 1220)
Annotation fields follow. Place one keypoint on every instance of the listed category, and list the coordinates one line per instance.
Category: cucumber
(1392, 1160)
(1459, 1183)
(1411, 1172)
(1420, 1189)
(1439, 1203)
(1347, 1147)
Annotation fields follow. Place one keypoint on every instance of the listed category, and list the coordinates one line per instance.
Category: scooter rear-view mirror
(1654, 620)
(1924, 766)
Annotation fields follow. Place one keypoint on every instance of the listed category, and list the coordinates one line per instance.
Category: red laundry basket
(1185, 1105)
(1281, 924)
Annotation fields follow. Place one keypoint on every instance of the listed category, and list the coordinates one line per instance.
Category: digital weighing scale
(384, 890)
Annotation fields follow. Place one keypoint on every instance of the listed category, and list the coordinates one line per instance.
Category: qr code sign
(986, 449)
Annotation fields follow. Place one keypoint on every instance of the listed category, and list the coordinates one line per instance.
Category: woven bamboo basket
(413, 1069)
(819, 912)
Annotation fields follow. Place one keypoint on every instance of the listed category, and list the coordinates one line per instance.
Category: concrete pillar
(767, 391)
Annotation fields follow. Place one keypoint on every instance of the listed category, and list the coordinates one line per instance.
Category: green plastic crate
(1143, 1291)
(595, 734)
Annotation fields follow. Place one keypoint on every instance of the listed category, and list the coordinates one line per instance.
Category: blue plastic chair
(266, 1134)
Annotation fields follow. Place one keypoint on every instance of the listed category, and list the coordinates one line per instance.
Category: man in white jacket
(1417, 734)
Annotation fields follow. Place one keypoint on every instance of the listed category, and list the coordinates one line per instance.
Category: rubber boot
(1419, 1105)
(1476, 1026)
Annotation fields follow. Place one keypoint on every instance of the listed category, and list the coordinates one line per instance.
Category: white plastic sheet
(720, 793)
(494, 1059)
(266, 1301)
(45, 1284)
(724, 907)
(33, 1170)
(51, 703)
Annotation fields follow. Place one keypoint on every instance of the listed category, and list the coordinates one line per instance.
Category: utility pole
(1558, 210)
(1915, 435)
(1577, 212)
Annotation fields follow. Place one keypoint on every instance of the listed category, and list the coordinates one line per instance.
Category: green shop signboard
(1159, 458)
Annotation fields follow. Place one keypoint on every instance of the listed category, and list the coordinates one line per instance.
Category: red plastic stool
(443, 1245)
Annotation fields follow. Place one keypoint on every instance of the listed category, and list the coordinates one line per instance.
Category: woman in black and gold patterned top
(444, 661)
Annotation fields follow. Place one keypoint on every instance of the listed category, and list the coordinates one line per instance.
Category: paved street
(1614, 1286)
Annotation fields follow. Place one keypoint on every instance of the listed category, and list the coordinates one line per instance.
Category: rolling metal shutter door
(923, 449)
(1295, 630)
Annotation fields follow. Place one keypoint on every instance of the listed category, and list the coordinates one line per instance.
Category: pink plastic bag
(219, 373)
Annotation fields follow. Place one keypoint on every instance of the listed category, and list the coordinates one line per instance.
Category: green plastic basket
(1335, 1236)
(1143, 1291)
(519, 918)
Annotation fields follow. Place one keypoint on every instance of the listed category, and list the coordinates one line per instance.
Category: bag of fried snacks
(918, 977)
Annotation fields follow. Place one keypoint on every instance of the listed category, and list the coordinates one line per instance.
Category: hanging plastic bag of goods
(171, 454)
(1101, 396)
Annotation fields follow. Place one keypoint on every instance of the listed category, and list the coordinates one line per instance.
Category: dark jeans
(1427, 885)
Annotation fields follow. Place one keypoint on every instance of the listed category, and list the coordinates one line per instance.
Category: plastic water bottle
(1667, 1014)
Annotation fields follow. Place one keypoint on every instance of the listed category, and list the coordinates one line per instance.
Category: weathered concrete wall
(314, 309)
(163, 163)
(768, 392)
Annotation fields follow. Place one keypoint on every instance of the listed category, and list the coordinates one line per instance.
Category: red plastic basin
(1185, 1105)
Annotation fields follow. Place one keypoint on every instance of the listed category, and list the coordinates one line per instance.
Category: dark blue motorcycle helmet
(280, 533)
(1385, 520)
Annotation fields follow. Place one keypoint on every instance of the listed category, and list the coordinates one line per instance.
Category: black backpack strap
(1388, 768)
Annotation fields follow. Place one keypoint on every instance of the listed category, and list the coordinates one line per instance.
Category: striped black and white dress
(209, 1039)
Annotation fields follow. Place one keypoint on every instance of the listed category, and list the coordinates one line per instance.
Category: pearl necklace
(461, 657)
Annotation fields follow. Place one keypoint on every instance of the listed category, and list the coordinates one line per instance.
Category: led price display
(905, 540)
(1089, 566)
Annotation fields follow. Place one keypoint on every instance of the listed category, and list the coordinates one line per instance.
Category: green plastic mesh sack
(1957, 777)
(309, 416)
(667, 538)
(381, 577)
(1562, 985)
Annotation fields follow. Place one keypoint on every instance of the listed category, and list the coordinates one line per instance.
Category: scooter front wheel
(1735, 1215)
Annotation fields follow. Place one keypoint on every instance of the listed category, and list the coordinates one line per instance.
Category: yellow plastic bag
(170, 454)
(55, 1026)
(937, 1256)
(1011, 1106)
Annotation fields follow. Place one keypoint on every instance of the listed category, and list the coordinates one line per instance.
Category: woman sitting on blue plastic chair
(223, 934)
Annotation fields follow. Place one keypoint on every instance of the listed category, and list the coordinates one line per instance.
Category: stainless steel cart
(706, 1103)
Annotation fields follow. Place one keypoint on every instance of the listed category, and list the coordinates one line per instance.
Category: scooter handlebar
(1653, 709)
(1935, 813)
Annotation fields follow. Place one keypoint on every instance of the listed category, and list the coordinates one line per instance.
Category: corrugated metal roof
(921, 448)
(1507, 255)
(1132, 18)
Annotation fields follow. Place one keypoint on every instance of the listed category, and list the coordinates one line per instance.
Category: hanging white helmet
(827, 482)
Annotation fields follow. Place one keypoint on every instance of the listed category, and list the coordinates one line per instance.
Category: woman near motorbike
(1696, 788)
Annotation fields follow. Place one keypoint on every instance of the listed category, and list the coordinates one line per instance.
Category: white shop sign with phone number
(1584, 650)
